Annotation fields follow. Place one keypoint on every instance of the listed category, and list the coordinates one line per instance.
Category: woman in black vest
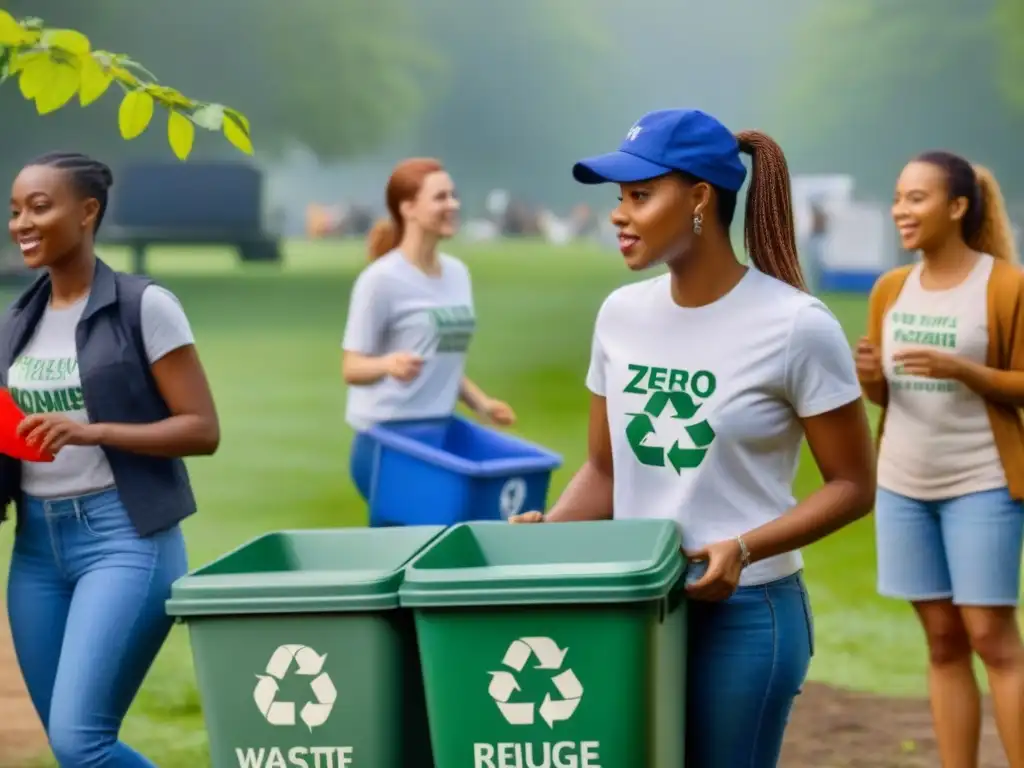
(105, 367)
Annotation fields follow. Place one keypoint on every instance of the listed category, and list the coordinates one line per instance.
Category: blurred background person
(411, 318)
(944, 358)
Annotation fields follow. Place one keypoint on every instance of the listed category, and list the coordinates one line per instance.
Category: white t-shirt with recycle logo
(704, 404)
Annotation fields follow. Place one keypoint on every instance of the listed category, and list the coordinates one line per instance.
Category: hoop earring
(698, 223)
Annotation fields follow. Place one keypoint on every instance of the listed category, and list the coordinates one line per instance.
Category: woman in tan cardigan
(944, 358)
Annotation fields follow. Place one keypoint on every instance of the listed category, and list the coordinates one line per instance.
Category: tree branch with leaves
(52, 66)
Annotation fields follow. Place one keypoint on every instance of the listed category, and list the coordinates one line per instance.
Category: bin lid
(495, 563)
(304, 571)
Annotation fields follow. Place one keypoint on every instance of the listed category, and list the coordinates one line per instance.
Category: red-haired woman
(410, 317)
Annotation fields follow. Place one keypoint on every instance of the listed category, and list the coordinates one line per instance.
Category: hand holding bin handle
(11, 444)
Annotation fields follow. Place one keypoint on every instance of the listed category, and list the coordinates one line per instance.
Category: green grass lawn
(270, 341)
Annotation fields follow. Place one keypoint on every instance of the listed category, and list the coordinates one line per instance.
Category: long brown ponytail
(769, 233)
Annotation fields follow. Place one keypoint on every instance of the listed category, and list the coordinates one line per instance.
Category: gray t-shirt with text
(396, 307)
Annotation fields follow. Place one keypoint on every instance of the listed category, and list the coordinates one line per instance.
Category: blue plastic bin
(449, 471)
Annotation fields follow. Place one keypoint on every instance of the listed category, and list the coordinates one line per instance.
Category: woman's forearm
(876, 391)
(833, 506)
(173, 437)
(474, 397)
(363, 369)
(1006, 387)
(588, 496)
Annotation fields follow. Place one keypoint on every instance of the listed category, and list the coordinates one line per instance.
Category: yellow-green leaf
(134, 114)
(237, 134)
(21, 60)
(242, 119)
(58, 90)
(180, 133)
(35, 75)
(69, 40)
(12, 33)
(94, 81)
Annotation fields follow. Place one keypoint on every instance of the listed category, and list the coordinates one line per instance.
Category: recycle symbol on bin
(549, 657)
(306, 663)
(512, 496)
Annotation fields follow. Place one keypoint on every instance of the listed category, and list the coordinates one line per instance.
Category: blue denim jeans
(748, 657)
(86, 604)
(360, 463)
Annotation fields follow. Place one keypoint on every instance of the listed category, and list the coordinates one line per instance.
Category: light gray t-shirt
(395, 307)
(45, 378)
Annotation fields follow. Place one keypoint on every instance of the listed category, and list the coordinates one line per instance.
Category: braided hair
(985, 226)
(769, 234)
(91, 178)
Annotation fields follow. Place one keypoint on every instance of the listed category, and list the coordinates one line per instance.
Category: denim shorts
(966, 548)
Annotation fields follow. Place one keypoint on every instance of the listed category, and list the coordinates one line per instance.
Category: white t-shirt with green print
(704, 404)
(395, 307)
(45, 378)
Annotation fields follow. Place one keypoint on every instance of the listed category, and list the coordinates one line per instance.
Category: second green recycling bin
(301, 654)
(552, 645)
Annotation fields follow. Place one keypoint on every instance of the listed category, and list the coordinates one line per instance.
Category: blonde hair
(995, 232)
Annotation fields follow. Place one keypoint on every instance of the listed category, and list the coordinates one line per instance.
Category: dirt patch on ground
(830, 728)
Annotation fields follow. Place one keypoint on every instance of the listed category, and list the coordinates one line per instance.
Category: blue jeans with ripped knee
(86, 605)
(748, 658)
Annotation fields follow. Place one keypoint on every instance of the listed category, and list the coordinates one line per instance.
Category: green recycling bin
(302, 655)
(552, 646)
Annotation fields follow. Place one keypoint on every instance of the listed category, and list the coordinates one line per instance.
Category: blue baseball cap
(669, 140)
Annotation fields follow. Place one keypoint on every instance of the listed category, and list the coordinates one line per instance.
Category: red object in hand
(10, 443)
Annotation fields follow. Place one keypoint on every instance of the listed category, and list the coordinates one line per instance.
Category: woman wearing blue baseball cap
(704, 382)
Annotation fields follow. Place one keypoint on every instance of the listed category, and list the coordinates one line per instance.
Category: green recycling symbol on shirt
(683, 407)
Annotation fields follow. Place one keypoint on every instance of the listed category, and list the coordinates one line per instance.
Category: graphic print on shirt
(453, 328)
(917, 330)
(667, 399)
(49, 392)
